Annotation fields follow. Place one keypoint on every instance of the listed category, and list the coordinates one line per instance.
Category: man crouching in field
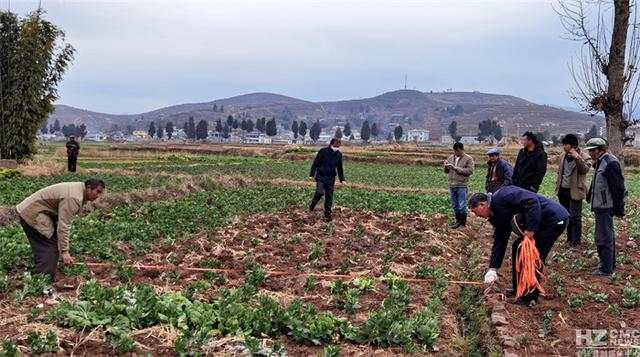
(323, 172)
(46, 218)
(543, 220)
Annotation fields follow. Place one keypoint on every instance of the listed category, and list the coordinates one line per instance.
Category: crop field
(210, 250)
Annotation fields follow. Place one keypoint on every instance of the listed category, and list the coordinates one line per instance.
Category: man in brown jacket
(46, 218)
(571, 185)
(459, 167)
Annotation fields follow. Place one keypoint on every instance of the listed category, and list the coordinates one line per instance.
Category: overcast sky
(136, 55)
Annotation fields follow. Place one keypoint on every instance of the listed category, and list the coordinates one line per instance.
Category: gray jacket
(607, 190)
(459, 175)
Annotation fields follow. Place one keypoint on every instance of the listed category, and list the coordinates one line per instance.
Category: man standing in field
(571, 185)
(607, 196)
(323, 172)
(459, 167)
(499, 171)
(542, 219)
(73, 150)
(46, 218)
(531, 164)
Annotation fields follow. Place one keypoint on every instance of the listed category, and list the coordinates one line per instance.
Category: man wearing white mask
(323, 172)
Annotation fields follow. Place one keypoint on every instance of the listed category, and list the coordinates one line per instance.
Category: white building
(256, 137)
(417, 135)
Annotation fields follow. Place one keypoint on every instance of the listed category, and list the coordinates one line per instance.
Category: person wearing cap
(46, 218)
(73, 150)
(540, 218)
(459, 168)
(571, 185)
(607, 196)
(531, 164)
(499, 171)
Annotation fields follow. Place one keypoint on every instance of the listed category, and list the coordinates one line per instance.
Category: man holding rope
(536, 220)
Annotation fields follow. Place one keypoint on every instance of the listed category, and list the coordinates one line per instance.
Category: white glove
(491, 276)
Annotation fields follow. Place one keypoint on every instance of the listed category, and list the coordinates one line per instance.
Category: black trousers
(71, 162)
(605, 239)
(545, 237)
(574, 229)
(326, 190)
(45, 250)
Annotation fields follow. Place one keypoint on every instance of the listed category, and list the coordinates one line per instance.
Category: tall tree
(397, 133)
(230, 121)
(219, 126)
(593, 132)
(221, 108)
(44, 129)
(271, 127)
(261, 124)
(374, 129)
(160, 131)
(225, 131)
(302, 129)
(365, 131)
(152, 129)
(347, 130)
(489, 128)
(33, 58)
(453, 131)
(314, 133)
(338, 134)
(185, 129)
(56, 125)
(606, 73)
(294, 129)
(250, 126)
(169, 128)
(202, 130)
(81, 131)
(235, 124)
(191, 129)
(215, 107)
(243, 125)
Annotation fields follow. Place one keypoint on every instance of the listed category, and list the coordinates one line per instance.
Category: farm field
(209, 250)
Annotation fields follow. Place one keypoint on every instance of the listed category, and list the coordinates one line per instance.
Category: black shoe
(600, 273)
(458, 220)
(521, 301)
(510, 292)
(463, 221)
(328, 219)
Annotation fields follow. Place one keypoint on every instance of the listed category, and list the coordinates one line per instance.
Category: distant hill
(409, 108)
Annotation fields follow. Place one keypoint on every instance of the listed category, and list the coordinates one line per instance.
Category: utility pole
(405, 81)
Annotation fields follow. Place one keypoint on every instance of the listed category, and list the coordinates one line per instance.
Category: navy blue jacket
(325, 165)
(538, 212)
(504, 171)
(530, 168)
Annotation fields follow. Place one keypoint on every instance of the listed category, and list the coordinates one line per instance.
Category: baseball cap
(493, 152)
(595, 142)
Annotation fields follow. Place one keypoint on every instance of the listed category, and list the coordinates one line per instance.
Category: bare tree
(605, 72)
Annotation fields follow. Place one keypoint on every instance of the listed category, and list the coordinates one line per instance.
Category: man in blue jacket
(541, 218)
(499, 171)
(323, 172)
(607, 196)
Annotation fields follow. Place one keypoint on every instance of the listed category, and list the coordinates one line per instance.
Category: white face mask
(334, 148)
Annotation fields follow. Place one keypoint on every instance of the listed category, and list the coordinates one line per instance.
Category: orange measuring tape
(275, 273)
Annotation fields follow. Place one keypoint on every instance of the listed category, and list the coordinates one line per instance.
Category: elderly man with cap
(499, 171)
(571, 185)
(607, 196)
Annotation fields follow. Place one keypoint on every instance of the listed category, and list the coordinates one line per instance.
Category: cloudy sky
(137, 55)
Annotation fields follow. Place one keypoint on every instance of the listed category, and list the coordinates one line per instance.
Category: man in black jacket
(323, 172)
(73, 149)
(542, 219)
(531, 164)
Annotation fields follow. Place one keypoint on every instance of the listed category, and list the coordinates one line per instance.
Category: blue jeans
(458, 199)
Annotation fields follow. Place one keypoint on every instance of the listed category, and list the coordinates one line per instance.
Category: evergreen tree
(271, 127)
(453, 131)
(169, 130)
(230, 121)
(81, 131)
(56, 126)
(389, 137)
(315, 131)
(243, 125)
(202, 130)
(221, 108)
(347, 130)
(235, 124)
(33, 58)
(225, 131)
(338, 134)
(593, 132)
(250, 126)
(397, 132)
(365, 132)
(185, 129)
(215, 108)
(219, 126)
(152, 129)
(191, 129)
(44, 129)
(160, 131)
(294, 129)
(302, 129)
(374, 130)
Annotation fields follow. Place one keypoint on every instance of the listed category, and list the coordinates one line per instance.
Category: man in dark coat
(323, 172)
(73, 149)
(607, 196)
(541, 218)
(499, 171)
(531, 164)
